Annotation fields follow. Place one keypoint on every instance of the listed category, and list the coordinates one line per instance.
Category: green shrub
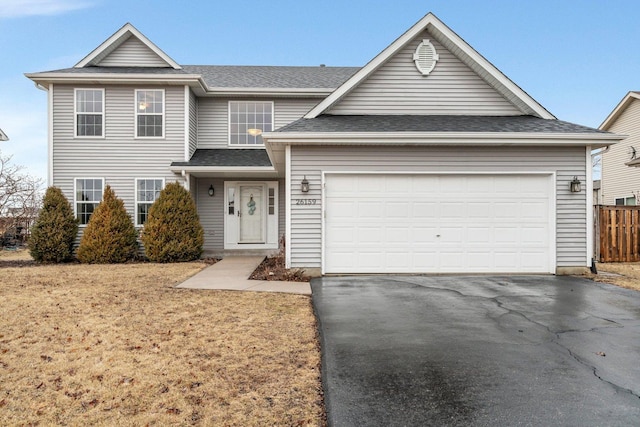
(110, 236)
(55, 230)
(173, 232)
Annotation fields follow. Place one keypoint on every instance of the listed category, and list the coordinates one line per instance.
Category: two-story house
(620, 183)
(427, 159)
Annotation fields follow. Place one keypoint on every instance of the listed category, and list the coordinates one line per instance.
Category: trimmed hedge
(173, 232)
(55, 230)
(110, 236)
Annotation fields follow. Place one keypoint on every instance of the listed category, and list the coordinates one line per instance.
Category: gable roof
(455, 44)
(622, 105)
(116, 40)
(3, 136)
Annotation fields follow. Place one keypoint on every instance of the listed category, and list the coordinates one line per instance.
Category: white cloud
(20, 8)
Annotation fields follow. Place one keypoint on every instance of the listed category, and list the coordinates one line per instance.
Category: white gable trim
(622, 105)
(116, 40)
(472, 58)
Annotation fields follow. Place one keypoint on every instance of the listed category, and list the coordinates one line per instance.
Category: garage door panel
(424, 210)
(397, 210)
(370, 235)
(437, 223)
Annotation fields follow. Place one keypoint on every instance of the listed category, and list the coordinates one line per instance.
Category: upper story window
(147, 191)
(89, 112)
(88, 196)
(150, 113)
(248, 120)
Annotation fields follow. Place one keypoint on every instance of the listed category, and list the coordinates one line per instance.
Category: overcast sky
(578, 58)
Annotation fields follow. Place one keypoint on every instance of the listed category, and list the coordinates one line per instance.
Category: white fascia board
(622, 105)
(225, 169)
(491, 69)
(373, 65)
(117, 38)
(103, 78)
(440, 138)
(429, 20)
(243, 91)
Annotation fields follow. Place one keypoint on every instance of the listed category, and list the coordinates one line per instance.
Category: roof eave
(113, 78)
(226, 171)
(595, 140)
(622, 105)
(242, 91)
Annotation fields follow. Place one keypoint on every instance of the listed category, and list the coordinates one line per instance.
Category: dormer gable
(128, 47)
(459, 80)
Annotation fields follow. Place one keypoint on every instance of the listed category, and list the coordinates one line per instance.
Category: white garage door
(396, 223)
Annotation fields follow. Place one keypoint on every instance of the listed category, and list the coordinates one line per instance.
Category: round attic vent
(425, 57)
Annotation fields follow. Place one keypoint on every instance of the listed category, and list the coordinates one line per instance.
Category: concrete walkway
(232, 273)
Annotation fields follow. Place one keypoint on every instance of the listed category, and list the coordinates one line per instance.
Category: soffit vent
(425, 57)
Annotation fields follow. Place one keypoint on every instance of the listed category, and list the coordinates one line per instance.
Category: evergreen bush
(55, 230)
(173, 232)
(110, 236)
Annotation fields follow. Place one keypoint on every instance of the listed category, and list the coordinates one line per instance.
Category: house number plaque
(307, 202)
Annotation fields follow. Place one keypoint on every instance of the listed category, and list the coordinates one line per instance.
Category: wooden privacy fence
(618, 230)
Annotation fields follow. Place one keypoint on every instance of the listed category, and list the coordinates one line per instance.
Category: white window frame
(75, 196)
(76, 112)
(273, 114)
(135, 207)
(625, 199)
(138, 114)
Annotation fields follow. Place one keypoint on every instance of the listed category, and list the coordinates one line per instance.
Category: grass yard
(629, 274)
(118, 345)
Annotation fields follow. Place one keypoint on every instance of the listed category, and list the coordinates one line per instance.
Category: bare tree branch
(20, 196)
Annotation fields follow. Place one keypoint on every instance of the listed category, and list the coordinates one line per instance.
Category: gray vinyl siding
(211, 210)
(213, 118)
(397, 87)
(571, 216)
(132, 53)
(119, 158)
(618, 179)
(193, 123)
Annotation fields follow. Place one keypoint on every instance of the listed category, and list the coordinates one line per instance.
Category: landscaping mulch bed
(273, 268)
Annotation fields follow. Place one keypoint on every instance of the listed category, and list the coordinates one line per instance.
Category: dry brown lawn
(118, 345)
(629, 274)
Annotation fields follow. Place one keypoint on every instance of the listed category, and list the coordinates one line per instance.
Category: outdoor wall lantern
(576, 187)
(211, 192)
(304, 185)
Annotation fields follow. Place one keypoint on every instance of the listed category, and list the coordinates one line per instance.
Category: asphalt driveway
(530, 350)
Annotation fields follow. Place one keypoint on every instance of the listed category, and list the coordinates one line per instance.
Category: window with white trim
(89, 112)
(248, 120)
(88, 196)
(626, 201)
(149, 113)
(147, 191)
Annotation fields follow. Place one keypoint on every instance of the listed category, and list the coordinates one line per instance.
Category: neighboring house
(426, 160)
(620, 179)
(3, 136)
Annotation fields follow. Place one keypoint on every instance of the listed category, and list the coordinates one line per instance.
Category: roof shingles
(224, 157)
(433, 123)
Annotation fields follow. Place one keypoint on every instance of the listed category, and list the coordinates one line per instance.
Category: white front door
(251, 215)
